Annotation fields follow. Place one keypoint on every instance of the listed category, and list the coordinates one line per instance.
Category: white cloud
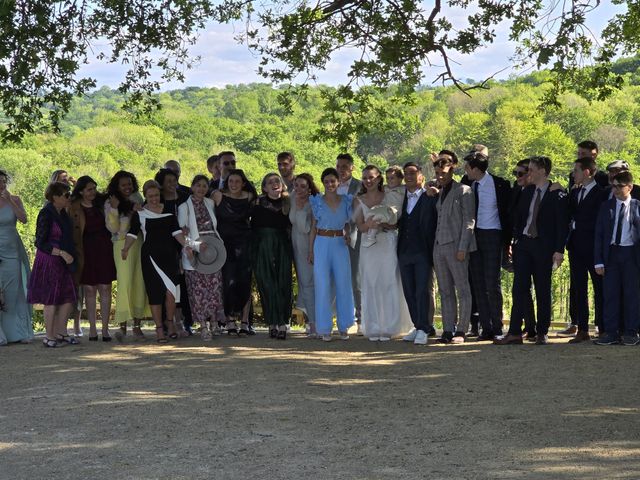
(224, 61)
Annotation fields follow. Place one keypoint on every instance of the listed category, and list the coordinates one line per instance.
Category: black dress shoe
(483, 337)
(106, 339)
(282, 335)
(273, 332)
(473, 333)
(251, 330)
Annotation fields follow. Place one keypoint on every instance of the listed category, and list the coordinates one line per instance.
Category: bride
(384, 310)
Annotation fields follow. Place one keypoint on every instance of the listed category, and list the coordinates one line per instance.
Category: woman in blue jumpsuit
(331, 264)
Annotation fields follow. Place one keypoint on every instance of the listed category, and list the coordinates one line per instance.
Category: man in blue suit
(617, 259)
(416, 237)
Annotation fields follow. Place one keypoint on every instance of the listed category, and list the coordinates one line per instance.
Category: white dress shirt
(412, 199)
(488, 216)
(343, 188)
(626, 239)
(586, 189)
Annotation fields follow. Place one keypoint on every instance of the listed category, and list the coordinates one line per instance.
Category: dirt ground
(255, 408)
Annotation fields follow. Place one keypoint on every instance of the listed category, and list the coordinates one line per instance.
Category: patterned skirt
(205, 295)
(51, 282)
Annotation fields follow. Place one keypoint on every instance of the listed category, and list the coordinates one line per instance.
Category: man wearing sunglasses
(540, 233)
(227, 162)
(617, 260)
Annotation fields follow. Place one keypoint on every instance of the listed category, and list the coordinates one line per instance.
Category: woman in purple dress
(51, 282)
(96, 269)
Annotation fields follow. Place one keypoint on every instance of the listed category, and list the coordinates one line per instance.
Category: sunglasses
(229, 162)
(519, 173)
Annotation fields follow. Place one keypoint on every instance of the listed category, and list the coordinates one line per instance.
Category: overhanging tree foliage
(44, 43)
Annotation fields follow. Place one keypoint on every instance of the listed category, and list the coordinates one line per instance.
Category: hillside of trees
(98, 138)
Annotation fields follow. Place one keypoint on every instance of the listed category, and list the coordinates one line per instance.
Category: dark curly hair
(82, 183)
(125, 206)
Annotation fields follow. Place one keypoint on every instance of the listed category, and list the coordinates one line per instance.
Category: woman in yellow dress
(131, 298)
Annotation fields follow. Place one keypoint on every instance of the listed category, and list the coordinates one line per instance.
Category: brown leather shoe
(581, 337)
(542, 339)
(568, 332)
(508, 339)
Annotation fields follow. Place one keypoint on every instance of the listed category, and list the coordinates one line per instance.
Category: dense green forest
(98, 138)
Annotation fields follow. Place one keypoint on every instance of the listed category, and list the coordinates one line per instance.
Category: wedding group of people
(366, 251)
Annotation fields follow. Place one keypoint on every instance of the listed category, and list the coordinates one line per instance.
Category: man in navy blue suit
(617, 259)
(540, 233)
(584, 205)
(416, 237)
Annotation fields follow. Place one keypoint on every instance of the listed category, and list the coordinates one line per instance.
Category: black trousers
(620, 286)
(581, 267)
(415, 271)
(531, 259)
(485, 264)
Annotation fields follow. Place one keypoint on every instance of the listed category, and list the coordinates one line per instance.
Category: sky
(226, 62)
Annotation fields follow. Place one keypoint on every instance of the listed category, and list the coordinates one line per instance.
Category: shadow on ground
(261, 408)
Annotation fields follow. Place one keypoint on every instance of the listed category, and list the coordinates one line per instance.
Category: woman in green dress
(272, 254)
(15, 312)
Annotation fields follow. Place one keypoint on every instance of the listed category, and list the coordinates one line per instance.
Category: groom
(416, 234)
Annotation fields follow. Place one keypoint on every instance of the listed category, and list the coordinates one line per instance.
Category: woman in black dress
(233, 210)
(159, 261)
(172, 197)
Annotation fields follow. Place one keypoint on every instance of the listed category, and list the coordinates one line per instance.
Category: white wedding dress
(384, 309)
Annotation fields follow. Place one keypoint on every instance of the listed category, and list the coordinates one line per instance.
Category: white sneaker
(384, 339)
(359, 331)
(326, 338)
(411, 336)
(374, 339)
(344, 336)
(421, 338)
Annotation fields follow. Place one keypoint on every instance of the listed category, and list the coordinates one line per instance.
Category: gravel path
(256, 408)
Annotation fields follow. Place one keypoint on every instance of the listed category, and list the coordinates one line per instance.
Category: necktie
(413, 195)
(533, 226)
(620, 224)
(476, 185)
(581, 195)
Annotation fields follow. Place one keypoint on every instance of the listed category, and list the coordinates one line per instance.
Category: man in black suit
(540, 232)
(521, 174)
(584, 203)
(493, 236)
(416, 237)
(617, 259)
(174, 166)
(226, 163)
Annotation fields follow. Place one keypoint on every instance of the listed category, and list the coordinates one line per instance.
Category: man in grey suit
(351, 186)
(454, 242)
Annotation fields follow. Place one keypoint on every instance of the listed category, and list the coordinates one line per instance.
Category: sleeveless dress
(234, 229)
(15, 320)
(384, 309)
(99, 267)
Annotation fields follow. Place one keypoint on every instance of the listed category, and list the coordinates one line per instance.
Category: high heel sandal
(67, 339)
(162, 339)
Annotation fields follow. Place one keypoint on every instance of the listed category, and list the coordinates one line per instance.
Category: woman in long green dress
(272, 254)
(131, 298)
(15, 314)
